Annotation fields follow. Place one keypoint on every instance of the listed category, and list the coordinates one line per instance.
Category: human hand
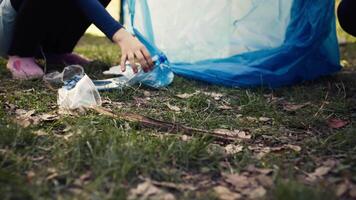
(132, 49)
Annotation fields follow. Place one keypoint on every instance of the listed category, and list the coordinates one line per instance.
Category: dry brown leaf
(49, 117)
(262, 151)
(263, 171)
(342, 189)
(257, 193)
(173, 108)
(52, 176)
(147, 191)
(264, 119)
(291, 107)
(186, 95)
(9, 107)
(180, 187)
(30, 175)
(225, 193)
(352, 192)
(186, 138)
(337, 123)
(244, 135)
(235, 133)
(237, 180)
(24, 113)
(233, 149)
(40, 133)
(318, 173)
(265, 181)
(295, 148)
(146, 93)
(216, 96)
(27, 118)
(252, 119)
(35, 159)
(224, 107)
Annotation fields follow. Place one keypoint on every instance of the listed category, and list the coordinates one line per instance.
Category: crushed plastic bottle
(160, 76)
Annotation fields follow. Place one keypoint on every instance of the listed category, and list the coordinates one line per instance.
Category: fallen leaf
(337, 123)
(83, 179)
(24, 113)
(52, 176)
(30, 175)
(237, 180)
(180, 187)
(244, 135)
(186, 95)
(265, 181)
(186, 138)
(252, 119)
(173, 108)
(216, 96)
(147, 191)
(26, 118)
(38, 158)
(318, 173)
(264, 119)
(295, 148)
(40, 133)
(262, 151)
(257, 193)
(264, 171)
(233, 149)
(146, 93)
(235, 133)
(48, 117)
(9, 107)
(341, 189)
(352, 192)
(291, 107)
(224, 107)
(224, 193)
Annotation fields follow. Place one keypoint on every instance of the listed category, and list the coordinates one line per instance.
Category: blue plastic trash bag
(240, 43)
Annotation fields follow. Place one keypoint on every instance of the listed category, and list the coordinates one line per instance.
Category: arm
(131, 48)
(97, 14)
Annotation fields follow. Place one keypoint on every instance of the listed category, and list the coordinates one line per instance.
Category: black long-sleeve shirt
(95, 12)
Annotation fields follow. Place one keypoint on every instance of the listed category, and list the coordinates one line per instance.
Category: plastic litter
(159, 77)
(78, 89)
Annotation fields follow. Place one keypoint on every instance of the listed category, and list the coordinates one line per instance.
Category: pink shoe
(24, 68)
(67, 59)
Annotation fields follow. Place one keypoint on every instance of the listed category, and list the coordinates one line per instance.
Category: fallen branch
(163, 126)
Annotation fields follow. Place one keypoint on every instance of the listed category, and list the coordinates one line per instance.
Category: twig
(163, 126)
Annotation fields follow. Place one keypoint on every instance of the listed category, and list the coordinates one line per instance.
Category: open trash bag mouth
(240, 43)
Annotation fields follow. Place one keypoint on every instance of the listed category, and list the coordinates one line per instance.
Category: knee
(346, 15)
(105, 2)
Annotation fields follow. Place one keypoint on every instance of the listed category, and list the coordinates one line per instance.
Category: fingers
(131, 58)
(147, 56)
(141, 55)
(123, 62)
(141, 59)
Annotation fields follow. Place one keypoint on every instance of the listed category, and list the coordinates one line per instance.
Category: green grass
(118, 155)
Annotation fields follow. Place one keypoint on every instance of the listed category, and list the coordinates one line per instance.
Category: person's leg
(347, 16)
(31, 24)
(26, 37)
(65, 33)
(54, 27)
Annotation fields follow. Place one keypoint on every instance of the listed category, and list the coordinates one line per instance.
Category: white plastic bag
(78, 89)
(83, 94)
